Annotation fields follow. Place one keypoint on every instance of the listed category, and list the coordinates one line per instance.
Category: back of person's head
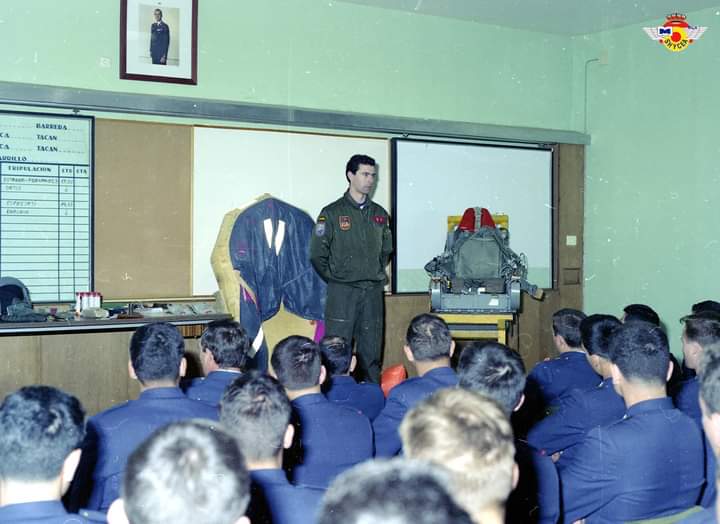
(228, 343)
(469, 435)
(710, 379)
(428, 338)
(642, 313)
(186, 473)
(39, 427)
(641, 353)
(493, 370)
(703, 328)
(566, 323)
(336, 355)
(706, 305)
(354, 163)
(156, 351)
(256, 410)
(596, 331)
(296, 362)
(397, 491)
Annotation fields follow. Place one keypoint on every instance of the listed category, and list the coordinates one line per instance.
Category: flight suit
(350, 247)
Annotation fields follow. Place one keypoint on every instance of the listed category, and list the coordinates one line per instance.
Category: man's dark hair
(187, 472)
(596, 331)
(354, 163)
(641, 312)
(39, 427)
(640, 351)
(228, 342)
(296, 361)
(493, 370)
(566, 323)
(158, 11)
(428, 337)
(398, 491)
(710, 378)
(336, 355)
(156, 351)
(706, 305)
(702, 328)
(256, 410)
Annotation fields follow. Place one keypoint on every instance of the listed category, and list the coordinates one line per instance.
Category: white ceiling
(566, 17)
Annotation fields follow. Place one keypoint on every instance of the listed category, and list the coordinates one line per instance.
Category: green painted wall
(652, 215)
(311, 53)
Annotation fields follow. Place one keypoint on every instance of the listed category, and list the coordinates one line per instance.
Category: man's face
(157, 15)
(363, 180)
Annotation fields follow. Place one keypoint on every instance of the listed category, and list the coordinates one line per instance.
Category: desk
(472, 326)
(87, 358)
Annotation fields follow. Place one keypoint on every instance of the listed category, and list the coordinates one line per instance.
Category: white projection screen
(433, 180)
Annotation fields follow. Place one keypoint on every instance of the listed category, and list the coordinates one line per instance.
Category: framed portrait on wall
(158, 40)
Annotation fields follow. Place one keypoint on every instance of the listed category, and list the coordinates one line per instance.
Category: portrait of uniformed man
(159, 39)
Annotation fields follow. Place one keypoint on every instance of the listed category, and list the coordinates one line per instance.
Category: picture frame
(158, 40)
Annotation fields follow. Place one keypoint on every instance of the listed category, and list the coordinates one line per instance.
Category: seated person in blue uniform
(498, 373)
(224, 346)
(189, 472)
(256, 410)
(340, 387)
(650, 463)
(41, 431)
(157, 362)
(394, 491)
(429, 346)
(583, 409)
(551, 379)
(700, 330)
(471, 437)
(328, 438)
(710, 406)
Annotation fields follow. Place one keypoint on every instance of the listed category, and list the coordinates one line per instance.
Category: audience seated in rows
(429, 346)
(224, 347)
(329, 438)
(498, 373)
(583, 409)
(256, 410)
(157, 362)
(340, 387)
(397, 491)
(41, 430)
(551, 379)
(471, 437)
(188, 472)
(650, 463)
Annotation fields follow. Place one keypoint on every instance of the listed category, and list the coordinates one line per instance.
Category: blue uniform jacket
(551, 379)
(45, 512)
(328, 440)
(114, 434)
(366, 397)
(402, 398)
(273, 500)
(577, 413)
(647, 465)
(211, 388)
(536, 499)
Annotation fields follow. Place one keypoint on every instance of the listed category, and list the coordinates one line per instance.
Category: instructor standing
(350, 247)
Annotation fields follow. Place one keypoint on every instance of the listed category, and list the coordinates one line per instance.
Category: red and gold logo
(675, 34)
(345, 223)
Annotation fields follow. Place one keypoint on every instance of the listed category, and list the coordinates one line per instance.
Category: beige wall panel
(19, 363)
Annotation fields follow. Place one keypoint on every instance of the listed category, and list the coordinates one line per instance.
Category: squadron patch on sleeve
(320, 229)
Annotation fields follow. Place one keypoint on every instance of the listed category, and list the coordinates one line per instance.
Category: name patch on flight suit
(379, 220)
(344, 223)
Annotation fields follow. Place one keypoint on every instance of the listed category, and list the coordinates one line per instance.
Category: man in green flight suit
(350, 248)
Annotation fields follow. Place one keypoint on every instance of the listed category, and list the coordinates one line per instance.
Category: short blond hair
(469, 435)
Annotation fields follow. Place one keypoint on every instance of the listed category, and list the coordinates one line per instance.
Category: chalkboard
(46, 180)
